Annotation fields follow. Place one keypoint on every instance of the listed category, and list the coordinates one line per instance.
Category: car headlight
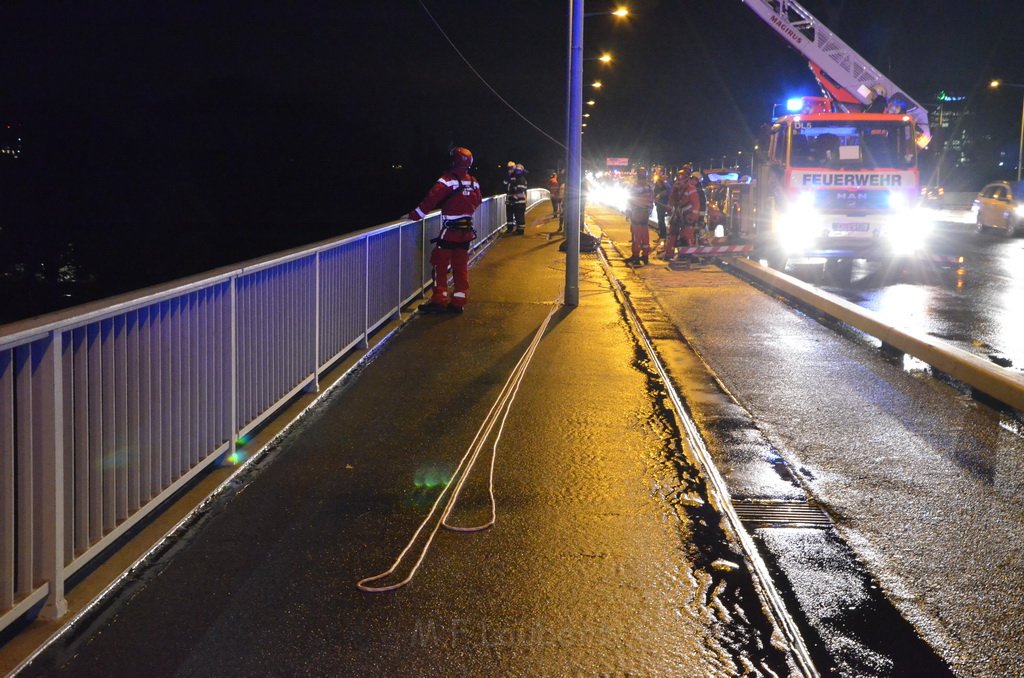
(1019, 210)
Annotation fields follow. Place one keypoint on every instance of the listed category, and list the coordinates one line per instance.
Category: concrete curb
(994, 381)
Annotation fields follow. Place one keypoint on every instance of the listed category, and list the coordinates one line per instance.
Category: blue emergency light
(795, 105)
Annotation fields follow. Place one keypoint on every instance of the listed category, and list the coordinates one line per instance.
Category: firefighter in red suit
(641, 202)
(684, 206)
(457, 194)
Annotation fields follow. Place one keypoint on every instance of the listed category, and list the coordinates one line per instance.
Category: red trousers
(679, 236)
(641, 236)
(441, 258)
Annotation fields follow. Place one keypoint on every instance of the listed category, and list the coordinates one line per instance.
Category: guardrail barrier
(108, 409)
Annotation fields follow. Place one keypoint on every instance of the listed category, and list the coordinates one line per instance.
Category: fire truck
(837, 177)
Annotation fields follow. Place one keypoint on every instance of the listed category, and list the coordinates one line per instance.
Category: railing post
(233, 362)
(398, 307)
(314, 386)
(51, 455)
(423, 255)
(365, 343)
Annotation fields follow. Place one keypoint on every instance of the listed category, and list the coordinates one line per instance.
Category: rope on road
(499, 412)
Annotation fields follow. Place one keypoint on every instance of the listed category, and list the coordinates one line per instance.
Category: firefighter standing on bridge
(457, 193)
(684, 203)
(515, 200)
(641, 201)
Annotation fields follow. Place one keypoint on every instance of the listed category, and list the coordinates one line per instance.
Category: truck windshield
(851, 144)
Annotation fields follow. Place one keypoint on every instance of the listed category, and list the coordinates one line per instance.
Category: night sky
(166, 138)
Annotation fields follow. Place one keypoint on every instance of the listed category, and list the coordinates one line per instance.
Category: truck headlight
(801, 223)
(1019, 210)
(898, 202)
(908, 230)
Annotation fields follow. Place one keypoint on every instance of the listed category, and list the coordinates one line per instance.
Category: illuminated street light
(996, 84)
(596, 84)
(591, 103)
(586, 115)
(620, 12)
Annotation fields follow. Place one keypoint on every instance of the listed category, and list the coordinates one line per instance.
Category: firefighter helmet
(519, 168)
(462, 158)
(696, 175)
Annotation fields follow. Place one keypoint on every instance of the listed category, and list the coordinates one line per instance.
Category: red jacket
(684, 200)
(553, 187)
(456, 192)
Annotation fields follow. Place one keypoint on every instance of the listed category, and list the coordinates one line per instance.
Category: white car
(1000, 206)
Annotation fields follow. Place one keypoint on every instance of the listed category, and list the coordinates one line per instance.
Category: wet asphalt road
(606, 557)
(924, 484)
(974, 306)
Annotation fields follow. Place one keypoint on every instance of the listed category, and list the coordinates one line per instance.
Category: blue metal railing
(108, 409)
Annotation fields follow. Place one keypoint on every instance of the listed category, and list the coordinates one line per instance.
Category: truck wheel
(839, 271)
(776, 260)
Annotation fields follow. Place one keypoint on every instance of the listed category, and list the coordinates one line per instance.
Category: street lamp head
(596, 84)
(591, 103)
(605, 58)
(621, 12)
(995, 83)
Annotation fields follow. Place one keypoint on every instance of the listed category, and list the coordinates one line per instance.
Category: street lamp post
(995, 84)
(574, 146)
(574, 142)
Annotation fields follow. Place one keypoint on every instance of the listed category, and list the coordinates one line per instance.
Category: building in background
(10, 141)
(951, 158)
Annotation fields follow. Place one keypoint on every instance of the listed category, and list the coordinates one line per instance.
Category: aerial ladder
(846, 77)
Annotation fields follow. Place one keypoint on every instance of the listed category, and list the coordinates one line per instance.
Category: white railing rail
(110, 408)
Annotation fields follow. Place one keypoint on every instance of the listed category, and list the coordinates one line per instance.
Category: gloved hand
(413, 216)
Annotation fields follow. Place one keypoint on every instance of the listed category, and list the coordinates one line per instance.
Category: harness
(460, 224)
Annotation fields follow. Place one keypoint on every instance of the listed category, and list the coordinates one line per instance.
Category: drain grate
(755, 513)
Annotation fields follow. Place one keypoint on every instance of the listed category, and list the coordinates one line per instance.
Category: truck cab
(839, 186)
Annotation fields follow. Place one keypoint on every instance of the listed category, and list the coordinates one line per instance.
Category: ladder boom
(830, 54)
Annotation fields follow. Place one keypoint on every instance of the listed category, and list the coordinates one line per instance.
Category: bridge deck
(588, 569)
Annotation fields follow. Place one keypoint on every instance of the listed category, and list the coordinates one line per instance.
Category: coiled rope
(498, 413)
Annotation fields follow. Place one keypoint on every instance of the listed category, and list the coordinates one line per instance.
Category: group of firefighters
(457, 194)
(683, 202)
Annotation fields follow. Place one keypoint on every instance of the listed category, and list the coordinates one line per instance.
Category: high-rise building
(954, 141)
